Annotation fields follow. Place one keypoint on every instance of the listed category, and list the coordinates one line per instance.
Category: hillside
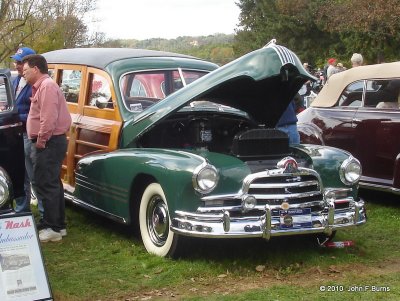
(216, 48)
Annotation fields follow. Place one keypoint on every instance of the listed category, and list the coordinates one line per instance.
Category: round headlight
(350, 171)
(205, 178)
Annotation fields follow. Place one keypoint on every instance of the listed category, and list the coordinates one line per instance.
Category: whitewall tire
(154, 222)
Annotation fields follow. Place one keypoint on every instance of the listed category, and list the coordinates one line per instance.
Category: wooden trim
(101, 126)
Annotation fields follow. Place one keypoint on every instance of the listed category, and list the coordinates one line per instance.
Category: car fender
(112, 176)
(310, 133)
(327, 161)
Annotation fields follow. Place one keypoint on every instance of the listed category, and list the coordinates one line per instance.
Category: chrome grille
(271, 187)
(294, 189)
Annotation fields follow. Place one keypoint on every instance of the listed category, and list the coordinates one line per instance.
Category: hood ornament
(288, 164)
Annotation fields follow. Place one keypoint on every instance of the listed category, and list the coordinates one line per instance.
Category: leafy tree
(43, 25)
(319, 29)
(292, 23)
(370, 27)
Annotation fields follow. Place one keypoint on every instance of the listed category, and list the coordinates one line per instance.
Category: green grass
(100, 260)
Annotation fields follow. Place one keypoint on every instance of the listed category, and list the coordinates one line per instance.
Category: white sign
(22, 273)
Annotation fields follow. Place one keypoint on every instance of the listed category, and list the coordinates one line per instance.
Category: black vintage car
(11, 146)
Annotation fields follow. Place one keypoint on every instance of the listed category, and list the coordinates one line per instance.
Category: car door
(70, 80)
(377, 130)
(336, 122)
(11, 141)
(96, 122)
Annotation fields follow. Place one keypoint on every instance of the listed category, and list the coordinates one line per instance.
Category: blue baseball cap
(21, 53)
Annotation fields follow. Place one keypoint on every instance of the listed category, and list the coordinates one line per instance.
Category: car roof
(101, 57)
(339, 81)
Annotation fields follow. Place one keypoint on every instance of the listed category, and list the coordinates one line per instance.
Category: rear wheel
(154, 223)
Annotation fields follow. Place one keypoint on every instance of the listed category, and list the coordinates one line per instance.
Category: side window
(71, 84)
(191, 76)
(352, 95)
(383, 94)
(141, 90)
(137, 88)
(51, 73)
(188, 77)
(99, 92)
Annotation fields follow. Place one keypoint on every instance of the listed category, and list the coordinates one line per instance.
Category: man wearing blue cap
(23, 92)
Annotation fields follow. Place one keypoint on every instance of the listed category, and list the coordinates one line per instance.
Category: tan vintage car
(358, 110)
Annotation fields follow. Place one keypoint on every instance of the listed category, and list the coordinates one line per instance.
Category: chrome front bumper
(222, 225)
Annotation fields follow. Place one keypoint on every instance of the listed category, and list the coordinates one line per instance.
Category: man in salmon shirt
(48, 122)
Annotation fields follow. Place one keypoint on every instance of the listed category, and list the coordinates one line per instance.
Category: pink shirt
(48, 114)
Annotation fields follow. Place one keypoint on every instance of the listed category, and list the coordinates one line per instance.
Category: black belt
(34, 140)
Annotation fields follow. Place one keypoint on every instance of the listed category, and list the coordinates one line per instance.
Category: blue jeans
(291, 131)
(22, 204)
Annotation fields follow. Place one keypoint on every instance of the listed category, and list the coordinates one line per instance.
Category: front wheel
(154, 223)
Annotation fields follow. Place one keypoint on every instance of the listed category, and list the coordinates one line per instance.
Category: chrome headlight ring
(205, 178)
(350, 171)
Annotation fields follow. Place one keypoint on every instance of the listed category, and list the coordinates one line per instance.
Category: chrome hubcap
(157, 220)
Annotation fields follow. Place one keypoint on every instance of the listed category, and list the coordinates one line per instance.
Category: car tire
(154, 223)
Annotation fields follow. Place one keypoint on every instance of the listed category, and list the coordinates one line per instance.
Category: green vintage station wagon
(178, 147)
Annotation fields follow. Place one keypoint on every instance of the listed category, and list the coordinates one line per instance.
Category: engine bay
(227, 132)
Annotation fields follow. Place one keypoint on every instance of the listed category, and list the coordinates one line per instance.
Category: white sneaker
(49, 234)
(63, 232)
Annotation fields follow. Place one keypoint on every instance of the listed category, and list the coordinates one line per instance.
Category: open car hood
(260, 83)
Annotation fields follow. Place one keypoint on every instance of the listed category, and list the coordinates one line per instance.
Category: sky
(169, 19)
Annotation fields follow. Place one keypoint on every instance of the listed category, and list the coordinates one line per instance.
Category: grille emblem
(288, 164)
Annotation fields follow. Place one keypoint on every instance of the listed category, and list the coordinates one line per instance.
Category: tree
(319, 29)
(370, 27)
(292, 23)
(43, 25)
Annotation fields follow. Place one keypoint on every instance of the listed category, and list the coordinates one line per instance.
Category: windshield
(142, 89)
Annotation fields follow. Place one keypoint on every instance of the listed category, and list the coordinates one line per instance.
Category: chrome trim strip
(258, 207)
(92, 208)
(286, 196)
(13, 125)
(285, 185)
(379, 187)
(285, 55)
(377, 181)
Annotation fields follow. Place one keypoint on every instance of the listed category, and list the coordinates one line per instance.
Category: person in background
(47, 124)
(331, 68)
(23, 92)
(288, 123)
(304, 91)
(356, 60)
(339, 68)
